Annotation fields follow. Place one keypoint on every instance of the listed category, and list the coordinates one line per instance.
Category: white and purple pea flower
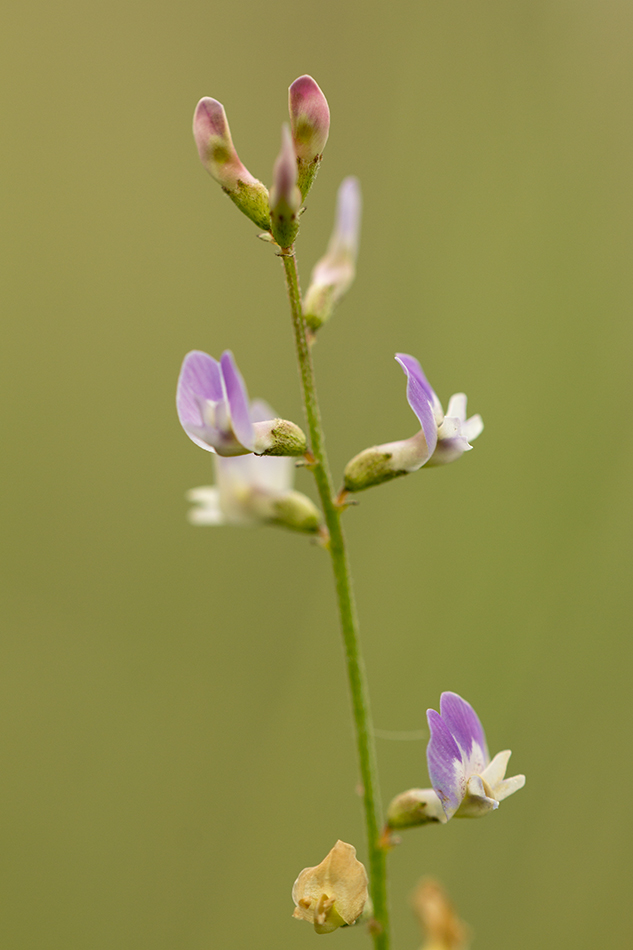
(441, 439)
(216, 413)
(466, 782)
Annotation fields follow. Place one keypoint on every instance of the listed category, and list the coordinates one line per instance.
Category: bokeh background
(176, 740)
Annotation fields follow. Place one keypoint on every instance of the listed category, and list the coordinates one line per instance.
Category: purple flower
(446, 436)
(442, 438)
(215, 412)
(250, 491)
(466, 782)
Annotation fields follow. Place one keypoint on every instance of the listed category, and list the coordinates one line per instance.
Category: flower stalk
(347, 611)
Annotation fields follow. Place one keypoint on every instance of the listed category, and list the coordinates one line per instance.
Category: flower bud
(334, 274)
(418, 806)
(217, 154)
(334, 893)
(278, 437)
(285, 197)
(310, 122)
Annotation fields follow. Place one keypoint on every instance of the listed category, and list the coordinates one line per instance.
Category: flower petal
(200, 380)
(457, 407)
(446, 767)
(477, 802)
(420, 397)
(207, 510)
(466, 729)
(509, 786)
(237, 398)
(496, 770)
(349, 204)
(472, 427)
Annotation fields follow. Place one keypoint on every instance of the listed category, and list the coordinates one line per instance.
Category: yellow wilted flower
(334, 893)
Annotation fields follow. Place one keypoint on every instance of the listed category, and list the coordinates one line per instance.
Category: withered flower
(334, 893)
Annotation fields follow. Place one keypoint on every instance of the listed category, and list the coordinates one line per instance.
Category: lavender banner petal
(420, 397)
(199, 381)
(466, 729)
(237, 398)
(446, 769)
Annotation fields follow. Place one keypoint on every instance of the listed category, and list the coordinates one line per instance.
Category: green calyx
(370, 467)
(297, 512)
(252, 199)
(306, 173)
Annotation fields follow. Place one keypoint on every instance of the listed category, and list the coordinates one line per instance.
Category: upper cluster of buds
(294, 171)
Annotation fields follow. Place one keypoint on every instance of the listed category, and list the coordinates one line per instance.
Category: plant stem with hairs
(347, 611)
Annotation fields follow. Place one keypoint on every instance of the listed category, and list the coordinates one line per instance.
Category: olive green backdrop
(176, 742)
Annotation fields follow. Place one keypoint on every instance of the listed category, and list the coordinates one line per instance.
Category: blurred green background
(176, 741)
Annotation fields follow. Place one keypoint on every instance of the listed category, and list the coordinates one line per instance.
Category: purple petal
(349, 206)
(467, 731)
(237, 398)
(446, 769)
(199, 380)
(420, 397)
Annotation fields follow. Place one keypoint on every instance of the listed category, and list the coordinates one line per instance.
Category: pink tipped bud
(215, 145)
(334, 274)
(285, 197)
(217, 154)
(310, 121)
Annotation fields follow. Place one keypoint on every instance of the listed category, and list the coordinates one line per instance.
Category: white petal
(473, 427)
(450, 428)
(477, 802)
(509, 787)
(438, 412)
(407, 455)
(496, 770)
(457, 407)
(273, 473)
(207, 510)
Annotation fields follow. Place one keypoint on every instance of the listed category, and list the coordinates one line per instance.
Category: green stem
(347, 610)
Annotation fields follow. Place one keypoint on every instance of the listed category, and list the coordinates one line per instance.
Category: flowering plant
(253, 452)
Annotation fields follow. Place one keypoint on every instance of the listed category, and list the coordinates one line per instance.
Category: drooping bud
(334, 274)
(334, 893)
(285, 197)
(278, 437)
(417, 806)
(217, 154)
(310, 121)
(443, 930)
